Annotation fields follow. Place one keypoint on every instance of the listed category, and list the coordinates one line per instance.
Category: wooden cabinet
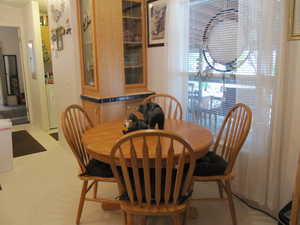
(134, 43)
(113, 46)
(101, 38)
(112, 38)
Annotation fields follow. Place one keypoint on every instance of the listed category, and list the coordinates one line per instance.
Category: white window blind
(232, 59)
(223, 60)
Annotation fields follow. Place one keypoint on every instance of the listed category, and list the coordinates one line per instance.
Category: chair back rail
(75, 121)
(233, 134)
(170, 105)
(157, 181)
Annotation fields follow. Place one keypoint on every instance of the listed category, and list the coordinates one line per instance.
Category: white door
(53, 123)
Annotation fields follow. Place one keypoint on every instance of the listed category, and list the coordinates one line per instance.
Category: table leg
(193, 213)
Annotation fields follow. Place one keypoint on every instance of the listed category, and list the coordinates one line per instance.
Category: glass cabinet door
(133, 41)
(86, 15)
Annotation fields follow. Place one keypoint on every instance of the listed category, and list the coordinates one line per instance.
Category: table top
(100, 139)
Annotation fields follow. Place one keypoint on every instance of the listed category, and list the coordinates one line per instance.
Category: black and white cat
(148, 116)
(153, 114)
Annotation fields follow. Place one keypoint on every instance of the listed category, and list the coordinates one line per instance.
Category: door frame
(25, 74)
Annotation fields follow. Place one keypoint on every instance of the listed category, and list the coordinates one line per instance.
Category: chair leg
(220, 189)
(185, 217)
(130, 219)
(231, 204)
(95, 189)
(125, 218)
(143, 220)
(81, 202)
(178, 219)
(192, 213)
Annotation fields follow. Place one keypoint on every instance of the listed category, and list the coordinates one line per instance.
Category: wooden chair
(155, 185)
(296, 199)
(170, 105)
(75, 121)
(229, 142)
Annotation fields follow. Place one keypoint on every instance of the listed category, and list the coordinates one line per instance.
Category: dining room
(170, 112)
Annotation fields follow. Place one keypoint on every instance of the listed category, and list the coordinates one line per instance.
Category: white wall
(31, 18)
(10, 16)
(10, 46)
(157, 69)
(165, 64)
(66, 63)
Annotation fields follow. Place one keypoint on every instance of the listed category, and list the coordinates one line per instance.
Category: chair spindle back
(153, 180)
(75, 121)
(170, 105)
(233, 134)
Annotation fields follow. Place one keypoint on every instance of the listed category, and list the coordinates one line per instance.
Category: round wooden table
(100, 139)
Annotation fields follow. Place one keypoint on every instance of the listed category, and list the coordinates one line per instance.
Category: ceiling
(21, 3)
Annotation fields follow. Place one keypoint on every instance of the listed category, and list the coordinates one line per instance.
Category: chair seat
(153, 209)
(97, 168)
(210, 165)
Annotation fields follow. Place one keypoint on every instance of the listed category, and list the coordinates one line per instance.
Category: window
(216, 60)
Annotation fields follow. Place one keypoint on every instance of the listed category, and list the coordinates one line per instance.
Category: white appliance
(6, 149)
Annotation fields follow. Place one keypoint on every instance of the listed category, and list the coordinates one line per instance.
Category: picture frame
(60, 32)
(294, 20)
(156, 22)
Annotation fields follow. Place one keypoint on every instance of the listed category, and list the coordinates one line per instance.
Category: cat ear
(149, 105)
(140, 109)
(132, 117)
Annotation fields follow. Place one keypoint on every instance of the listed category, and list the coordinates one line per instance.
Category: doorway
(48, 71)
(13, 103)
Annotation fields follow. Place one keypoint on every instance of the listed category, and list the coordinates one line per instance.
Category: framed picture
(60, 32)
(157, 11)
(294, 20)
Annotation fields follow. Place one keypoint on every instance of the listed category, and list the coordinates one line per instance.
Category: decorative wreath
(220, 38)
